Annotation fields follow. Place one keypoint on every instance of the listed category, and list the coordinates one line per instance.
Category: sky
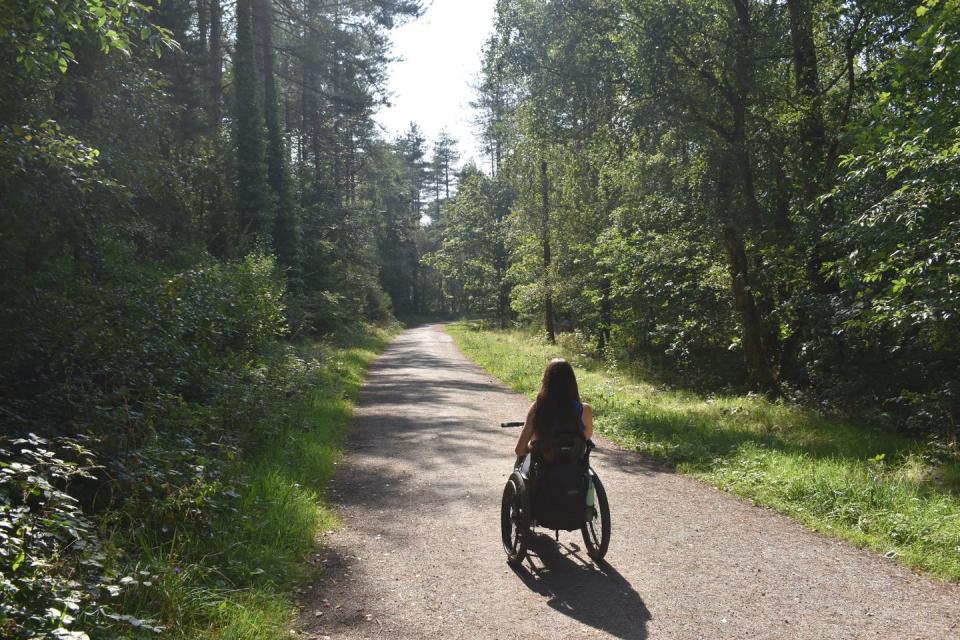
(439, 62)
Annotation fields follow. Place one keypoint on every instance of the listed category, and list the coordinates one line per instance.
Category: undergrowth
(237, 582)
(209, 534)
(876, 488)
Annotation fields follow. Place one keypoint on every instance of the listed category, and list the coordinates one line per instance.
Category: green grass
(240, 583)
(875, 488)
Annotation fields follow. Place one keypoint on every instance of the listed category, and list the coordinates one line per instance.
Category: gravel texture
(419, 554)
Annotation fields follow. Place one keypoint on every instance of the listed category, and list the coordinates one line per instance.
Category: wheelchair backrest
(560, 497)
(565, 447)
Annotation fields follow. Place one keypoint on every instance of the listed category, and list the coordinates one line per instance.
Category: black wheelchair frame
(517, 520)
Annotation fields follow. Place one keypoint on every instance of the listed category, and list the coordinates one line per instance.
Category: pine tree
(286, 227)
(445, 156)
(254, 206)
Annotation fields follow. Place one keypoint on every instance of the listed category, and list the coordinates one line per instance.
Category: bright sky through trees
(432, 82)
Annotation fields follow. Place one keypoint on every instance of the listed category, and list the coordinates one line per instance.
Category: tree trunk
(503, 304)
(813, 150)
(220, 232)
(253, 193)
(545, 239)
(284, 230)
(813, 136)
(503, 289)
(417, 298)
(263, 27)
(781, 194)
(606, 315)
(203, 24)
(743, 80)
(81, 82)
(754, 353)
(215, 64)
(756, 359)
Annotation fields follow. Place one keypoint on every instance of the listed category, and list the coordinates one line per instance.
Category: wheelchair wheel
(515, 519)
(596, 530)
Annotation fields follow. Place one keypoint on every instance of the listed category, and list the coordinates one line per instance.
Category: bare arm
(587, 421)
(523, 442)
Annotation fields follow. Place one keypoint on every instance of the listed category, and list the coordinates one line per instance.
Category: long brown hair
(555, 409)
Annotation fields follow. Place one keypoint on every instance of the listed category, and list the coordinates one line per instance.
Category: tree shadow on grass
(595, 595)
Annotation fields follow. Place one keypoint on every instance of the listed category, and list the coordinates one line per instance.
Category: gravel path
(419, 554)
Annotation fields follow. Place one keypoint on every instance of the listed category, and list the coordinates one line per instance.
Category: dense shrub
(123, 346)
(55, 579)
(162, 376)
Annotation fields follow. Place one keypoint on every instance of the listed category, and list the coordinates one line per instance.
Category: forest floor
(419, 554)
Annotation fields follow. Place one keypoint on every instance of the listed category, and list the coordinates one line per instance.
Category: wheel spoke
(518, 519)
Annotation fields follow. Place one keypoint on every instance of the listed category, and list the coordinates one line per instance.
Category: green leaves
(50, 553)
(170, 372)
(473, 254)
(42, 32)
(898, 285)
(900, 185)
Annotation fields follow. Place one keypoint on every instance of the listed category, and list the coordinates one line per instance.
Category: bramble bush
(147, 387)
(55, 578)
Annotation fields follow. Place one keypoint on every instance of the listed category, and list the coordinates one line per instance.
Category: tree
(285, 231)
(443, 163)
(473, 256)
(692, 143)
(254, 202)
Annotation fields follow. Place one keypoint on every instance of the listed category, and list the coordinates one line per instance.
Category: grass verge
(873, 488)
(238, 581)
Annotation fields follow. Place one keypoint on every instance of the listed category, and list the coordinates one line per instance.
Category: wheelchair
(527, 504)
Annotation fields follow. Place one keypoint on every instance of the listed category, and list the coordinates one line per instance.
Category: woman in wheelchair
(556, 416)
(553, 485)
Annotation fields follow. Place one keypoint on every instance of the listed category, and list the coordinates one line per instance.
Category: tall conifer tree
(286, 228)
(254, 206)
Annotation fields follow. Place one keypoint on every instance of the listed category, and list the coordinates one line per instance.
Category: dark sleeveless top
(579, 407)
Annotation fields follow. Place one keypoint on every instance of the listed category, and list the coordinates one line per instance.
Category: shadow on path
(593, 594)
